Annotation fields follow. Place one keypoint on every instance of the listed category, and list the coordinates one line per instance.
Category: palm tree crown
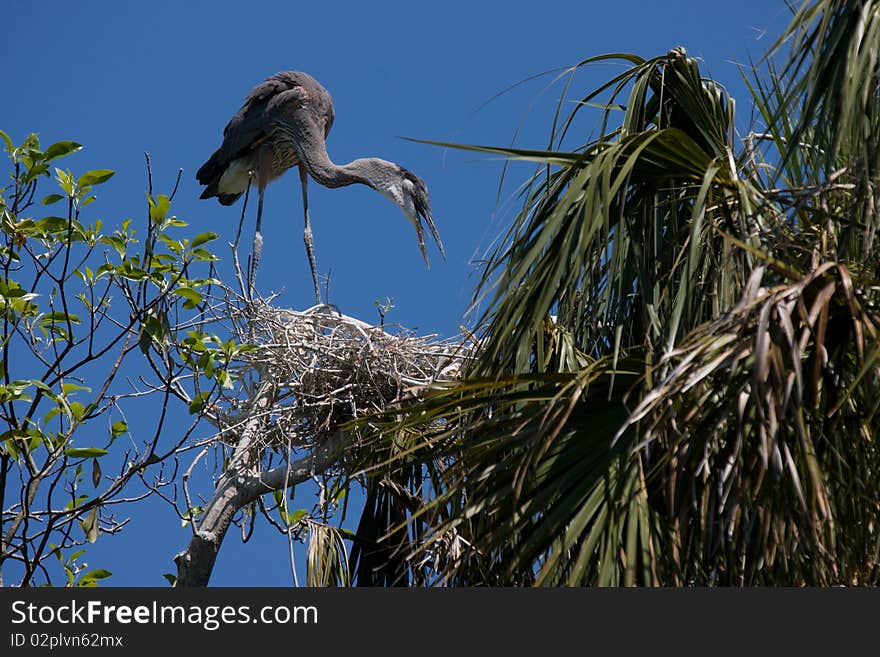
(679, 361)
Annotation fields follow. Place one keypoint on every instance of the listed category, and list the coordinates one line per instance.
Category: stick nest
(322, 369)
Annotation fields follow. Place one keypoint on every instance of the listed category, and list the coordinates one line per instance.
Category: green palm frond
(834, 79)
(616, 220)
(512, 446)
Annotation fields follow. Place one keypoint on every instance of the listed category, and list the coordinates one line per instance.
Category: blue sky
(165, 77)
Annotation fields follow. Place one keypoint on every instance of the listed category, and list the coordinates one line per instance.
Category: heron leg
(307, 234)
(264, 170)
(257, 250)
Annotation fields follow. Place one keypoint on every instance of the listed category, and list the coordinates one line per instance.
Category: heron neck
(365, 171)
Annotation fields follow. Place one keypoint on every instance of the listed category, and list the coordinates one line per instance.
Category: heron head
(410, 194)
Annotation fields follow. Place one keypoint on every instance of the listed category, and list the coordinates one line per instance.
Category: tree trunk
(237, 488)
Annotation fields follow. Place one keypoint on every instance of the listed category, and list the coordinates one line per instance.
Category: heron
(284, 123)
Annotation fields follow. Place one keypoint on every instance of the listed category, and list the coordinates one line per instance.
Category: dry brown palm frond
(752, 426)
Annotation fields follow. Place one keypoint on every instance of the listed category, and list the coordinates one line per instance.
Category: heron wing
(283, 93)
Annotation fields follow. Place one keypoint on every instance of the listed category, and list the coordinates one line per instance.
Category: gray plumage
(282, 124)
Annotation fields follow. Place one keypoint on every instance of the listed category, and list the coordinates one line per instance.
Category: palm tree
(678, 377)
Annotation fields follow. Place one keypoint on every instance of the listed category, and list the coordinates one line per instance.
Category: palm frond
(834, 74)
(327, 563)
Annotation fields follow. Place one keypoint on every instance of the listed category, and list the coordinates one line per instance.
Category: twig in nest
(327, 368)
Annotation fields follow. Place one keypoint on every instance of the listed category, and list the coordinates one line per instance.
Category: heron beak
(421, 233)
(415, 220)
(422, 213)
(429, 219)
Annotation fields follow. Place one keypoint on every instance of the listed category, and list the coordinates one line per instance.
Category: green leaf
(36, 170)
(52, 198)
(174, 245)
(72, 504)
(42, 386)
(36, 439)
(151, 460)
(60, 149)
(198, 402)
(203, 255)
(191, 515)
(53, 224)
(155, 327)
(15, 391)
(159, 207)
(144, 340)
(119, 427)
(202, 238)
(131, 272)
(13, 434)
(116, 242)
(90, 579)
(171, 579)
(193, 297)
(77, 410)
(65, 181)
(224, 379)
(67, 388)
(12, 449)
(6, 140)
(85, 452)
(95, 177)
